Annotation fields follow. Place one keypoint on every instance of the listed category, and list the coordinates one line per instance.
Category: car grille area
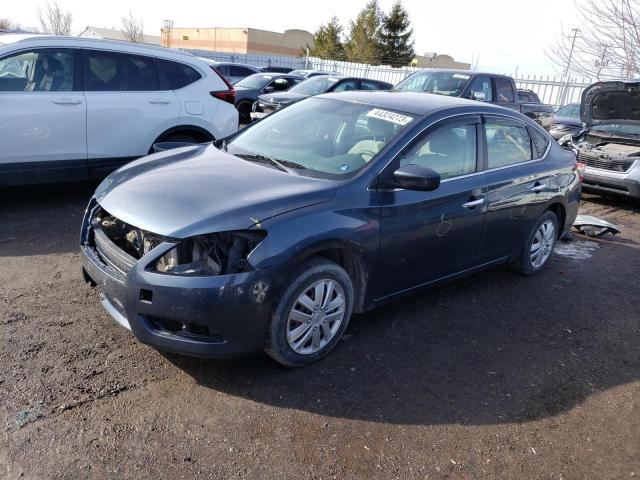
(118, 244)
(603, 163)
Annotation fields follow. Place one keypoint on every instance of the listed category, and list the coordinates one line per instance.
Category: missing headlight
(214, 254)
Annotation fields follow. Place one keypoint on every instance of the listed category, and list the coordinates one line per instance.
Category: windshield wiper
(283, 165)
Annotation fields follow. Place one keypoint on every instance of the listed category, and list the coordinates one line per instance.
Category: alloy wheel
(315, 317)
(542, 244)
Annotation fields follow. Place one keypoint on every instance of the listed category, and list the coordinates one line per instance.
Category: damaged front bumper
(207, 316)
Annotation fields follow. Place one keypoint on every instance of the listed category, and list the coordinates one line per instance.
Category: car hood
(611, 102)
(200, 189)
(282, 97)
(571, 121)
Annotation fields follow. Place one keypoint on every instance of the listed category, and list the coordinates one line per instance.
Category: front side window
(442, 83)
(504, 90)
(280, 84)
(507, 144)
(45, 70)
(119, 72)
(480, 89)
(320, 137)
(178, 75)
(450, 150)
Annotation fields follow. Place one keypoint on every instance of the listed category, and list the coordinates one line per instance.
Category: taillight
(580, 168)
(225, 95)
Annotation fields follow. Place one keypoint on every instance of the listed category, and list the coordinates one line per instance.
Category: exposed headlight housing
(559, 126)
(209, 255)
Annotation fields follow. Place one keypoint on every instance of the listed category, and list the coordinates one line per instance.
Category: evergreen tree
(327, 42)
(395, 36)
(363, 44)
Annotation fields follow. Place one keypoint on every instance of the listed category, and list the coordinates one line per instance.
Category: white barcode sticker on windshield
(393, 117)
(460, 76)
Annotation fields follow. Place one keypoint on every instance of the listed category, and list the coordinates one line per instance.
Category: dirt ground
(493, 376)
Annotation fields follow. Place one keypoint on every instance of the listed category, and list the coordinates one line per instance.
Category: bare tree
(54, 20)
(133, 29)
(6, 24)
(608, 44)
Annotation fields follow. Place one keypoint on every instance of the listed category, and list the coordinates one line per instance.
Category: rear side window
(449, 150)
(504, 90)
(345, 86)
(45, 70)
(369, 85)
(507, 144)
(540, 143)
(115, 72)
(178, 75)
(238, 71)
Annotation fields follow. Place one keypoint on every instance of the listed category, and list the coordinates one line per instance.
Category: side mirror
(415, 177)
(269, 89)
(480, 96)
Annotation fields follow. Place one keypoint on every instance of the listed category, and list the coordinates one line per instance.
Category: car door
(426, 236)
(126, 109)
(518, 185)
(42, 109)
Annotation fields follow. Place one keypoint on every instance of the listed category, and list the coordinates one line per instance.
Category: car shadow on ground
(492, 348)
(40, 220)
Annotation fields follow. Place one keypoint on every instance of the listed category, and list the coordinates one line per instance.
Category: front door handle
(473, 203)
(538, 188)
(67, 101)
(159, 101)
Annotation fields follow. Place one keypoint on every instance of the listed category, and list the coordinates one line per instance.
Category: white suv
(77, 108)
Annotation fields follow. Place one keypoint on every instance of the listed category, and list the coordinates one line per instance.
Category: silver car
(609, 145)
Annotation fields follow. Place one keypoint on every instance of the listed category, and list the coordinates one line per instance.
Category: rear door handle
(473, 203)
(538, 188)
(159, 101)
(67, 101)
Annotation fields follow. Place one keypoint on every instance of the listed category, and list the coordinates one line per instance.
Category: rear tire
(538, 249)
(312, 314)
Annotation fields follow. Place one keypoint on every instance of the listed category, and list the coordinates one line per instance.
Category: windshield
(315, 85)
(571, 111)
(257, 81)
(443, 83)
(320, 137)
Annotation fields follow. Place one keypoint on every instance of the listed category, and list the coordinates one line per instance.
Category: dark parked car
(566, 121)
(268, 103)
(609, 142)
(233, 72)
(311, 73)
(484, 87)
(336, 204)
(248, 90)
(528, 96)
(276, 69)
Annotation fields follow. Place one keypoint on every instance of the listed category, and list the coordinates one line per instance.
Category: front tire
(312, 314)
(539, 246)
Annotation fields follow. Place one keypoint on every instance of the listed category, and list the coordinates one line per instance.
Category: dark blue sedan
(337, 204)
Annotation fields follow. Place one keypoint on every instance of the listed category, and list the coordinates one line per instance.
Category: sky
(502, 36)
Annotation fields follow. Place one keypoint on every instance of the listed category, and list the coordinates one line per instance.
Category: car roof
(253, 67)
(461, 71)
(61, 41)
(415, 103)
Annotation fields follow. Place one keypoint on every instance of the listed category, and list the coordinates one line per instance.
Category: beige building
(113, 34)
(433, 60)
(237, 40)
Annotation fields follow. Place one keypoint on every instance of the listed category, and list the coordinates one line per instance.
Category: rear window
(540, 143)
(178, 75)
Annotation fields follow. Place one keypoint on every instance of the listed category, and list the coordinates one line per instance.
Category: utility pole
(576, 32)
